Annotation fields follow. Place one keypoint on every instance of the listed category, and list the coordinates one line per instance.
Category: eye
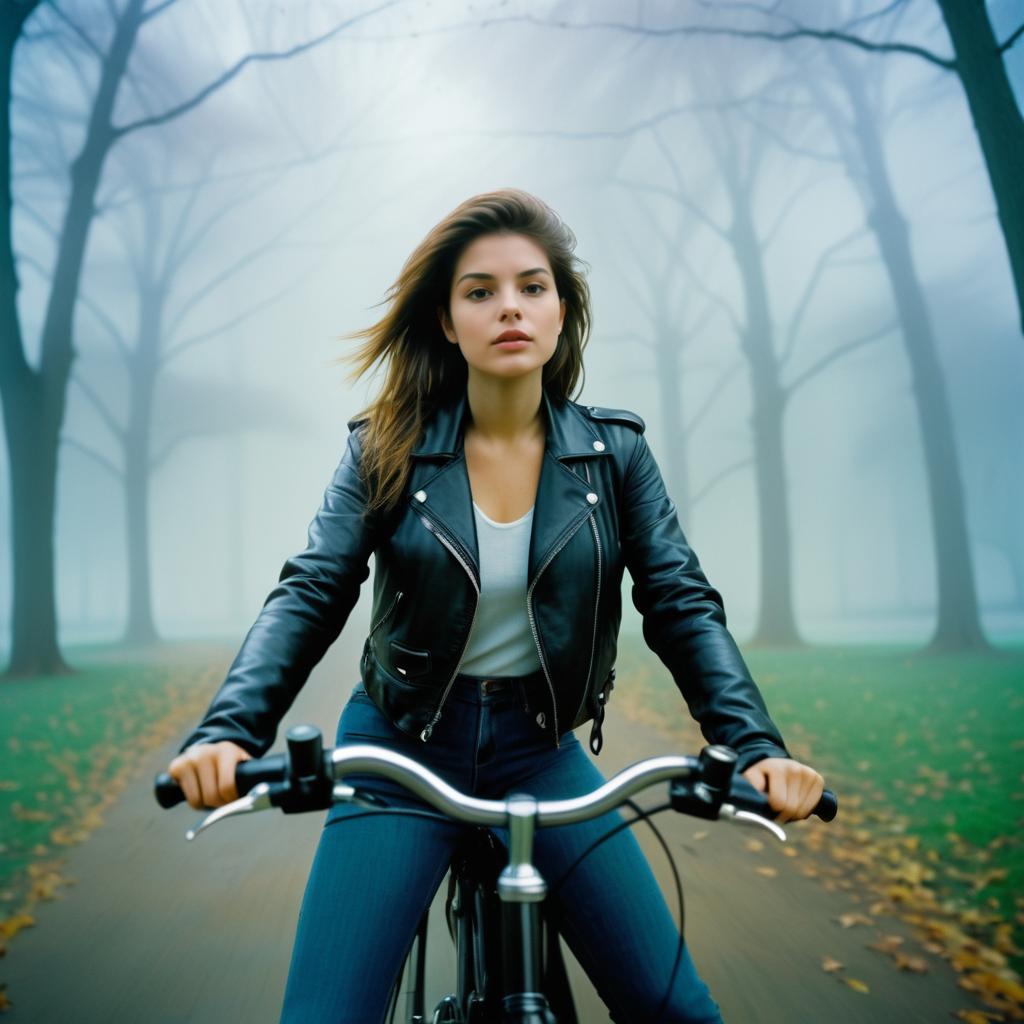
(537, 285)
(472, 294)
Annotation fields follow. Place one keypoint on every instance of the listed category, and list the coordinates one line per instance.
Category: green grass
(70, 742)
(936, 741)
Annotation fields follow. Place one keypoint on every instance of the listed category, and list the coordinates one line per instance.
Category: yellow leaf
(849, 919)
(857, 985)
(887, 943)
(916, 964)
(700, 835)
(766, 871)
(13, 924)
(830, 965)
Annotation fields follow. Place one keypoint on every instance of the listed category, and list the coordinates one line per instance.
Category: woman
(501, 515)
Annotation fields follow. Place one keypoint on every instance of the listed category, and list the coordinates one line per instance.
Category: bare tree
(34, 399)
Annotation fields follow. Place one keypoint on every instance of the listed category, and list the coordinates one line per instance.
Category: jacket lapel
(562, 495)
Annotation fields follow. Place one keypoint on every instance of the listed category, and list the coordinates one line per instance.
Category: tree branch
(78, 30)
(153, 12)
(677, 197)
(115, 333)
(832, 356)
(117, 472)
(1011, 38)
(39, 219)
(235, 69)
(105, 414)
(824, 259)
(713, 394)
(800, 32)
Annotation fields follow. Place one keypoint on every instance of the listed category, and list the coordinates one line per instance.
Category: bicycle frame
(478, 924)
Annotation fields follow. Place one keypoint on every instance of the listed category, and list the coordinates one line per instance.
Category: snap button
(420, 495)
(599, 446)
(541, 719)
(592, 498)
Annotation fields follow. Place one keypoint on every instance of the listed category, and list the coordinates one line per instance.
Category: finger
(207, 771)
(777, 793)
(185, 776)
(226, 761)
(755, 776)
(814, 791)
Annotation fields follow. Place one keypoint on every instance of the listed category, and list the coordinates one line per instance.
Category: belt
(498, 684)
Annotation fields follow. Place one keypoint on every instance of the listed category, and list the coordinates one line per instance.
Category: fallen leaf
(13, 924)
(768, 872)
(857, 985)
(916, 964)
(887, 943)
(848, 920)
(830, 965)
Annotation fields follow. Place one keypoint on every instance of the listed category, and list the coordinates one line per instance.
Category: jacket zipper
(597, 602)
(533, 624)
(436, 531)
(387, 614)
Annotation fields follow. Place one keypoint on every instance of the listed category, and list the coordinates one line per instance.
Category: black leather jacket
(601, 507)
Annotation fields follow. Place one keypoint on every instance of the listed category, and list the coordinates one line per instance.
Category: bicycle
(505, 975)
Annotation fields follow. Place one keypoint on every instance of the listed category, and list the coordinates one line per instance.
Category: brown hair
(424, 371)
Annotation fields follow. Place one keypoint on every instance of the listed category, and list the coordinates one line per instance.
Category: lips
(511, 336)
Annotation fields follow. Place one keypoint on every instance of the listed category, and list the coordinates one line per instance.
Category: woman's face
(503, 283)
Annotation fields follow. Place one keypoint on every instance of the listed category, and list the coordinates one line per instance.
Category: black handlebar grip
(247, 774)
(745, 796)
(828, 806)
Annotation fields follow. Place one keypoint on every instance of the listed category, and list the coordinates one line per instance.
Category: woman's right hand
(206, 773)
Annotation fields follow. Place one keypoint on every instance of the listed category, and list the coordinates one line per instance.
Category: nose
(510, 306)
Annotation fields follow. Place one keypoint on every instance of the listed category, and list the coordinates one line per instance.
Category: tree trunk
(31, 446)
(666, 356)
(33, 461)
(997, 120)
(33, 435)
(140, 629)
(776, 623)
(958, 625)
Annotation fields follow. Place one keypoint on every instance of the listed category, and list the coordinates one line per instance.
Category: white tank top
(501, 642)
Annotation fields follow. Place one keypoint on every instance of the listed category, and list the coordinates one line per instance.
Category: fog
(286, 201)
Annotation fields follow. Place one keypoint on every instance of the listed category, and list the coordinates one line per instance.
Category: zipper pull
(425, 735)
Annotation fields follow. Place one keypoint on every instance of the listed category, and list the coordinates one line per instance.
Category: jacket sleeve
(300, 619)
(684, 619)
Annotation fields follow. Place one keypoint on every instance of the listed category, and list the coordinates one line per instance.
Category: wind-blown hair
(422, 369)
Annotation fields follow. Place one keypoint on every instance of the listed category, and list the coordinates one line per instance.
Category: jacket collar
(564, 498)
(569, 433)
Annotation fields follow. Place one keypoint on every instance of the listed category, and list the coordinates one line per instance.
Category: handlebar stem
(520, 881)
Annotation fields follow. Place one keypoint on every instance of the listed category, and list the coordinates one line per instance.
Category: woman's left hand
(793, 789)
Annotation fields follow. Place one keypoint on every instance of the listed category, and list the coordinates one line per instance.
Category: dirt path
(160, 930)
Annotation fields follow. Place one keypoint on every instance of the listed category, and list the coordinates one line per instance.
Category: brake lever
(257, 799)
(739, 817)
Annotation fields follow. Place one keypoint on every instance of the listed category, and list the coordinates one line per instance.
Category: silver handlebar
(366, 758)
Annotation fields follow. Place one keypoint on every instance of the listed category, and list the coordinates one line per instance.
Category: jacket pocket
(409, 662)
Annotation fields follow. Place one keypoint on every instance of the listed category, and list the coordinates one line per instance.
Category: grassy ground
(926, 754)
(69, 743)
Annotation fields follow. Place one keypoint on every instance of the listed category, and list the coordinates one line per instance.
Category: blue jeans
(373, 877)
